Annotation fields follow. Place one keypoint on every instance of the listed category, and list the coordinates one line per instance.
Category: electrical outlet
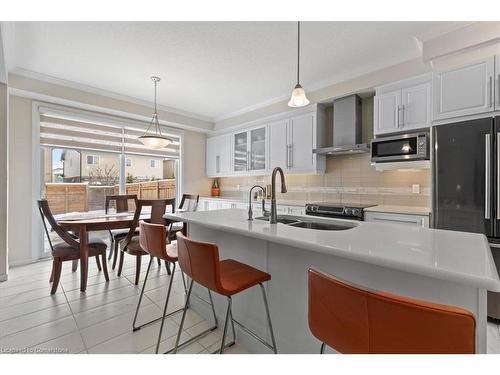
(415, 188)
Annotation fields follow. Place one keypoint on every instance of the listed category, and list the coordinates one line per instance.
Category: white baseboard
(25, 262)
(3, 277)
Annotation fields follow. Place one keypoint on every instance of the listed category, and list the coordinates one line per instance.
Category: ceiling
(212, 69)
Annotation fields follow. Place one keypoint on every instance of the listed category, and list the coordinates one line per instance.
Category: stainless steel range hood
(346, 128)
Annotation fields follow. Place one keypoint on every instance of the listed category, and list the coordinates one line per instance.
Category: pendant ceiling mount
(298, 98)
(155, 139)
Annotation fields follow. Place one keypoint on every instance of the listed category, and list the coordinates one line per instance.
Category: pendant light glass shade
(298, 98)
(154, 140)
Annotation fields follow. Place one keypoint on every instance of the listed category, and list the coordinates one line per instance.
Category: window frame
(154, 163)
(94, 157)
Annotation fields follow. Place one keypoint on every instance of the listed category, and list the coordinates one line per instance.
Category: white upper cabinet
(218, 156)
(278, 144)
(302, 141)
(250, 151)
(386, 112)
(416, 106)
(466, 90)
(292, 140)
(404, 105)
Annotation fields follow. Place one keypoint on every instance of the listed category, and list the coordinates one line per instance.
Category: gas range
(337, 210)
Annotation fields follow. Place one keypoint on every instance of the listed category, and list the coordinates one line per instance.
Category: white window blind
(66, 132)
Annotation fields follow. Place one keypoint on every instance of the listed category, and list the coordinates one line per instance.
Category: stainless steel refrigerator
(466, 183)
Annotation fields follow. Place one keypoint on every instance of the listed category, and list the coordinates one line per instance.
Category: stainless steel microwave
(403, 147)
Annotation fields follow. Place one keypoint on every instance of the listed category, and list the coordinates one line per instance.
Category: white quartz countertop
(463, 258)
(409, 210)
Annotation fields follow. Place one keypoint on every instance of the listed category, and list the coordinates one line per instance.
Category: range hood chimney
(346, 128)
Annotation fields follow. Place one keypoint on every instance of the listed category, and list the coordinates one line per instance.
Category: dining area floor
(99, 320)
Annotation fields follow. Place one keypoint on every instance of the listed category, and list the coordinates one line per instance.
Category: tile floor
(98, 321)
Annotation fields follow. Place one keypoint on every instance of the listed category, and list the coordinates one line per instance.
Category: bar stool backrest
(350, 319)
(153, 239)
(200, 261)
(189, 202)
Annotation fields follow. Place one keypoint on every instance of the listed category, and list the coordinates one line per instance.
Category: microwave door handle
(487, 179)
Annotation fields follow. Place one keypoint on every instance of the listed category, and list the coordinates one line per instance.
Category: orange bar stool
(350, 319)
(153, 240)
(200, 261)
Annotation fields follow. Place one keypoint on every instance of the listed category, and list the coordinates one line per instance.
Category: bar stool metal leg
(164, 315)
(200, 335)
(165, 308)
(322, 350)
(271, 331)
(228, 313)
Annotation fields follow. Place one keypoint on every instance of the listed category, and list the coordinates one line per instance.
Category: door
(464, 91)
(462, 172)
(211, 162)
(416, 106)
(387, 112)
(278, 144)
(240, 152)
(302, 136)
(258, 148)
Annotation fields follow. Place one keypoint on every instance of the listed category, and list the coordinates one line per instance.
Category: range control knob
(308, 208)
(355, 211)
(348, 211)
(315, 208)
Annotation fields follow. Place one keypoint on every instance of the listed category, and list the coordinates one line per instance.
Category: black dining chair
(121, 203)
(130, 244)
(189, 202)
(70, 248)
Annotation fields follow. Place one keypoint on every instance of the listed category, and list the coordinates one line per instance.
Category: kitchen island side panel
(287, 290)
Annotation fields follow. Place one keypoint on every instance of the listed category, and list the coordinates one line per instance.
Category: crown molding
(97, 91)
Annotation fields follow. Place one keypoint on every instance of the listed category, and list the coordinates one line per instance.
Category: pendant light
(298, 98)
(155, 140)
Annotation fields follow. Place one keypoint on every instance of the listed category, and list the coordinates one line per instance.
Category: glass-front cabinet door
(240, 152)
(249, 150)
(258, 149)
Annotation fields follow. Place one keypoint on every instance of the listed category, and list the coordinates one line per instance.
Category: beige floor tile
(39, 334)
(34, 319)
(17, 310)
(87, 303)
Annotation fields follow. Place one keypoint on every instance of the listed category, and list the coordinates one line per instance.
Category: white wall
(4, 113)
(20, 180)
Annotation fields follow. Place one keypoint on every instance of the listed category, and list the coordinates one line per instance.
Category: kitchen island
(447, 267)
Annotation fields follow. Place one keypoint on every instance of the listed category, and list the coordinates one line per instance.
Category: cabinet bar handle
(487, 179)
(491, 92)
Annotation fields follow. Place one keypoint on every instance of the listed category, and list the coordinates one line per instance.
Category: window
(92, 160)
(128, 162)
(154, 163)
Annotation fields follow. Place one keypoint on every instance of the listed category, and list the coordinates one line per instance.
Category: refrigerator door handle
(487, 195)
(498, 176)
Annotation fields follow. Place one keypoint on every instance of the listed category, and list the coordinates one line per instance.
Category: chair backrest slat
(189, 202)
(46, 214)
(121, 202)
(351, 319)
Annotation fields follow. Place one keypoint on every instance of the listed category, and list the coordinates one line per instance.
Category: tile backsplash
(348, 179)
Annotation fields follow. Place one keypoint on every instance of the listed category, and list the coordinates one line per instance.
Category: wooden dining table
(88, 223)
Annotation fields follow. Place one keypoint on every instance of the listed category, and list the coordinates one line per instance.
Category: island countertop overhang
(464, 258)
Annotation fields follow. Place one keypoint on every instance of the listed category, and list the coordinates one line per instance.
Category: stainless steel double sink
(306, 223)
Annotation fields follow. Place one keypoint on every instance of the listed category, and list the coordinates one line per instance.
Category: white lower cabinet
(402, 219)
(207, 204)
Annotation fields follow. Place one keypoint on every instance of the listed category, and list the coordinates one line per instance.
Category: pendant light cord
(298, 51)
